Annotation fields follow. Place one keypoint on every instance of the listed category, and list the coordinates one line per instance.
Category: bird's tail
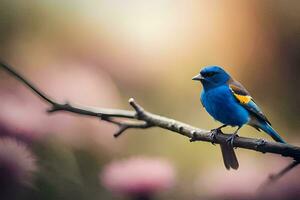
(229, 157)
(268, 129)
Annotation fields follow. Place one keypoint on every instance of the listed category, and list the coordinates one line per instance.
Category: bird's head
(212, 76)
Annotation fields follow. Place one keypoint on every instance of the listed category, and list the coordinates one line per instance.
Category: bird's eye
(209, 74)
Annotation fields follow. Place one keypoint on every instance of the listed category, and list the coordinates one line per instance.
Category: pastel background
(101, 53)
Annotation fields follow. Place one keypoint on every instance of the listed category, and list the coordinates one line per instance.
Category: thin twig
(56, 106)
(275, 177)
(124, 125)
(17, 75)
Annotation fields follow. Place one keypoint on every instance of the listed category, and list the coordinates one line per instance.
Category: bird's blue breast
(223, 107)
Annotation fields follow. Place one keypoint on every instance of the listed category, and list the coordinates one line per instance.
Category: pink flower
(17, 165)
(138, 176)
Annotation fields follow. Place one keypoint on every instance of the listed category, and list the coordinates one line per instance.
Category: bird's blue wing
(245, 99)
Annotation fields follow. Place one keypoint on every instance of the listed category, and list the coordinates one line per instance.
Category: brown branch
(142, 119)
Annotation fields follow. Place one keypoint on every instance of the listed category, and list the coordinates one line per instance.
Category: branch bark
(142, 119)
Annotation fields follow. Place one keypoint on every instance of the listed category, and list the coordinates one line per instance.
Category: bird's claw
(213, 135)
(231, 138)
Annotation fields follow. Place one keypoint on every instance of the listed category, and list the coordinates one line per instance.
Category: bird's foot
(214, 133)
(231, 138)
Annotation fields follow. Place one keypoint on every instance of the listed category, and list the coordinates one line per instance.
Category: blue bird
(228, 102)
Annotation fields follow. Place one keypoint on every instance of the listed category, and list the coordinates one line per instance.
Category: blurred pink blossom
(138, 176)
(17, 166)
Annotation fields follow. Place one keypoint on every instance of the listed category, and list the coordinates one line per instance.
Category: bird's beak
(199, 77)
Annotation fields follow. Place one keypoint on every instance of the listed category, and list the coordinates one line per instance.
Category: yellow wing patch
(240, 94)
(243, 99)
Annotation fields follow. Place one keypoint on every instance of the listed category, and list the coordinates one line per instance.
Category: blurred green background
(102, 52)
